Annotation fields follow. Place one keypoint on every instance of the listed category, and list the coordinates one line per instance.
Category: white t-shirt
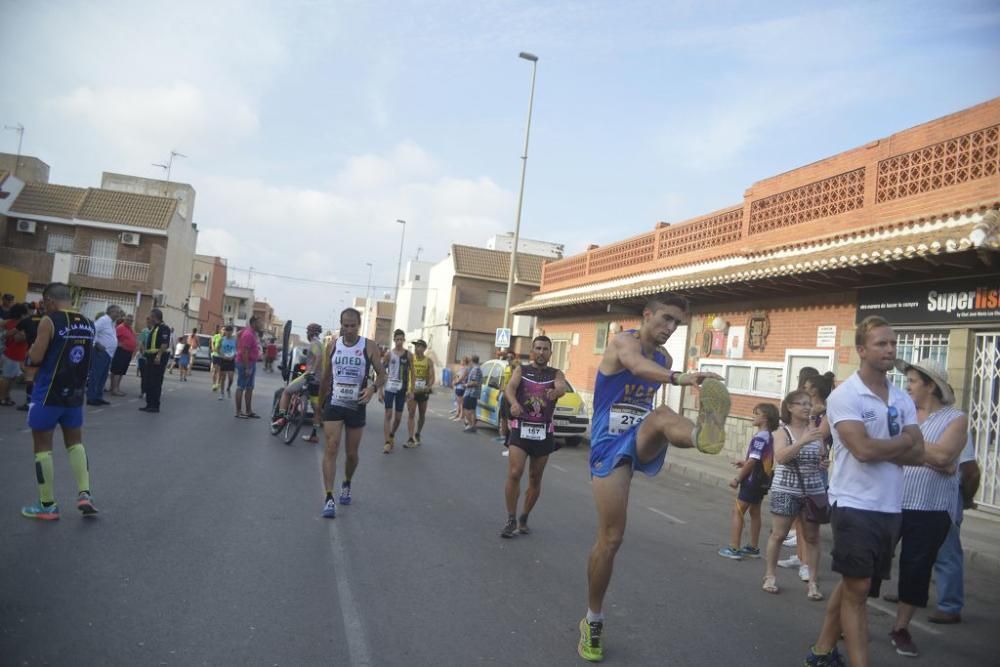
(877, 487)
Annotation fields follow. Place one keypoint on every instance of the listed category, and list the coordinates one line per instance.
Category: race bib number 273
(624, 417)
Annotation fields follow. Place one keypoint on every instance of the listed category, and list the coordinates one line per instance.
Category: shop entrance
(984, 415)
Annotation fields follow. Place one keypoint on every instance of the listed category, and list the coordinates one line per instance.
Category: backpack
(762, 478)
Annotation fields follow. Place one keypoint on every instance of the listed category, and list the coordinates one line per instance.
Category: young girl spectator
(460, 390)
(184, 361)
(753, 480)
(797, 451)
(819, 388)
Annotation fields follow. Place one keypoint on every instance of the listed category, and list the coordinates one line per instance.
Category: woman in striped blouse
(929, 491)
(798, 447)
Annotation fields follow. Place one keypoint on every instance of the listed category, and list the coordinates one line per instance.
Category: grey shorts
(9, 368)
(786, 504)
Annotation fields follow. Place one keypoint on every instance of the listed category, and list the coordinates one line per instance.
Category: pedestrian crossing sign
(503, 338)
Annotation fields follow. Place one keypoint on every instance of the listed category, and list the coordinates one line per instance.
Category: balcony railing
(114, 269)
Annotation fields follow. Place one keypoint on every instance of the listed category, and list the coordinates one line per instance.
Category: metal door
(984, 415)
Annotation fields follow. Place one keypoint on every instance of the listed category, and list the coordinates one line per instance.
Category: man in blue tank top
(61, 351)
(628, 434)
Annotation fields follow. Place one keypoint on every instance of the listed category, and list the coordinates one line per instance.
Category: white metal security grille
(984, 415)
(914, 346)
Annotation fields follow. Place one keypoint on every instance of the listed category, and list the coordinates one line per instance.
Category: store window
(752, 378)
(601, 337)
(496, 299)
(469, 344)
(796, 360)
(560, 353)
(914, 346)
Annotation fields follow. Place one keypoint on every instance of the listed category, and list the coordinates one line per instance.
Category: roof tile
(57, 201)
(495, 264)
(95, 204)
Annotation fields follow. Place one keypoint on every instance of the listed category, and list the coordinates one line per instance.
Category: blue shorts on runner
(47, 417)
(616, 452)
(245, 375)
(395, 399)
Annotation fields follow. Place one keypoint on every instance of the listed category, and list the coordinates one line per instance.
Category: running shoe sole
(40, 516)
(87, 508)
(713, 408)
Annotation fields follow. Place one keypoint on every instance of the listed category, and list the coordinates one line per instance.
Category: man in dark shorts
(875, 433)
(421, 384)
(344, 392)
(226, 364)
(473, 383)
(398, 363)
(531, 393)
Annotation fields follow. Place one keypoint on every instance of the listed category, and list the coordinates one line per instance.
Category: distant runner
(420, 386)
(398, 362)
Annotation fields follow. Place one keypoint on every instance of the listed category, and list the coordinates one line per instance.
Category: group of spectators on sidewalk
(902, 469)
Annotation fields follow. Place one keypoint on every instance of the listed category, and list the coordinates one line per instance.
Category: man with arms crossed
(61, 351)
(629, 435)
(421, 382)
(531, 393)
(344, 393)
(399, 364)
(875, 433)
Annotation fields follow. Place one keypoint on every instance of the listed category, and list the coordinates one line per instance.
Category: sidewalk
(980, 529)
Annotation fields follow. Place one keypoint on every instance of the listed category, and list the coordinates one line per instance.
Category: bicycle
(297, 412)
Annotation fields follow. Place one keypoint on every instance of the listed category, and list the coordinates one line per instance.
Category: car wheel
(574, 441)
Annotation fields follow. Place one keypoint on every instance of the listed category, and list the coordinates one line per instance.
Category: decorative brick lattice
(717, 230)
(565, 269)
(831, 196)
(959, 160)
(624, 254)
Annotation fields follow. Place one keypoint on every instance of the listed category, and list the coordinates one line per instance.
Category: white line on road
(559, 468)
(102, 409)
(923, 627)
(667, 516)
(357, 642)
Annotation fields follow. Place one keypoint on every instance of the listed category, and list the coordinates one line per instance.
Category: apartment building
(208, 288)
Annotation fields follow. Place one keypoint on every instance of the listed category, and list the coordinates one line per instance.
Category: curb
(987, 563)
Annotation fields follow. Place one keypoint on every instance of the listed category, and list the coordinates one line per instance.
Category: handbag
(817, 505)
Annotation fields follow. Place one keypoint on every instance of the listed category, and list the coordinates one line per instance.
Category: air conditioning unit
(200, 277)
(130, 238)
(159, 298)
(26, 226)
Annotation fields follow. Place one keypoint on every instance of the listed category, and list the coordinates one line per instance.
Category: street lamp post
(399, 269)
(368, 290)
(533, 59)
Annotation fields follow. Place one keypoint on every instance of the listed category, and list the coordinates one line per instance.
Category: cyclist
(314, 366)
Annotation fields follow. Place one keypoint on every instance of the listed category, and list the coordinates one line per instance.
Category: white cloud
(142, 121)
(329, 234)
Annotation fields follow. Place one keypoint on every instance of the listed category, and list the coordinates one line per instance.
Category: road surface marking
(667, 516)
(357, 643)
(97, 410)
(923, 627)
(559, 468)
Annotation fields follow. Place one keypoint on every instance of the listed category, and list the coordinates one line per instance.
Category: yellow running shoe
(709, 434)
(590, 646)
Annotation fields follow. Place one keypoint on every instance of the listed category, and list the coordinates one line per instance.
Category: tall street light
(533, 59)
(399, 269)
(368, 290)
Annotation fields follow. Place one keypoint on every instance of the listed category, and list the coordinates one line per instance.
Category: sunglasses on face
(893, 419)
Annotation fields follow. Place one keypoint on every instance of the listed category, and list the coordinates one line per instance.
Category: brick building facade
(881, 229)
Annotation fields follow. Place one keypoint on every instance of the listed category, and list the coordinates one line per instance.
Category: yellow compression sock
(43, 474)
(81, 468)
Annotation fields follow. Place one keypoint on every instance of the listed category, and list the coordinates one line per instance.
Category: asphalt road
(210, 550)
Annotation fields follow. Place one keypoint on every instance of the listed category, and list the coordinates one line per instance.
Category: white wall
(435, 327)
(413, 295)
(505, 242)
(182, 237)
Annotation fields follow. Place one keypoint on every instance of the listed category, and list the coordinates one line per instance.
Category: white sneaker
(790, 541)
(790, 563)
(804, 573)
(506, 452)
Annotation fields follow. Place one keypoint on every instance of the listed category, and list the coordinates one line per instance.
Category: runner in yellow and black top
(421, 382)
(216, 357)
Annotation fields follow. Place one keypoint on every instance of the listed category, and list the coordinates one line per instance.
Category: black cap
(419, 341)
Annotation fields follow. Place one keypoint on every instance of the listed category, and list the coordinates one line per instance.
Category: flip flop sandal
(240, 416)
(769, 585)
(709, 434)
(7, 403)
(814, 593)
(253, 415)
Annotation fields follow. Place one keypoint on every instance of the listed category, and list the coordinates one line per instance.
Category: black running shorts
(352, 418)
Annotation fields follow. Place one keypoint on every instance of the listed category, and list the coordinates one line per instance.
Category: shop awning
(962, 242)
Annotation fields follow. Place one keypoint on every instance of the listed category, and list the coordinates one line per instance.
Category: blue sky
(312, 126)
